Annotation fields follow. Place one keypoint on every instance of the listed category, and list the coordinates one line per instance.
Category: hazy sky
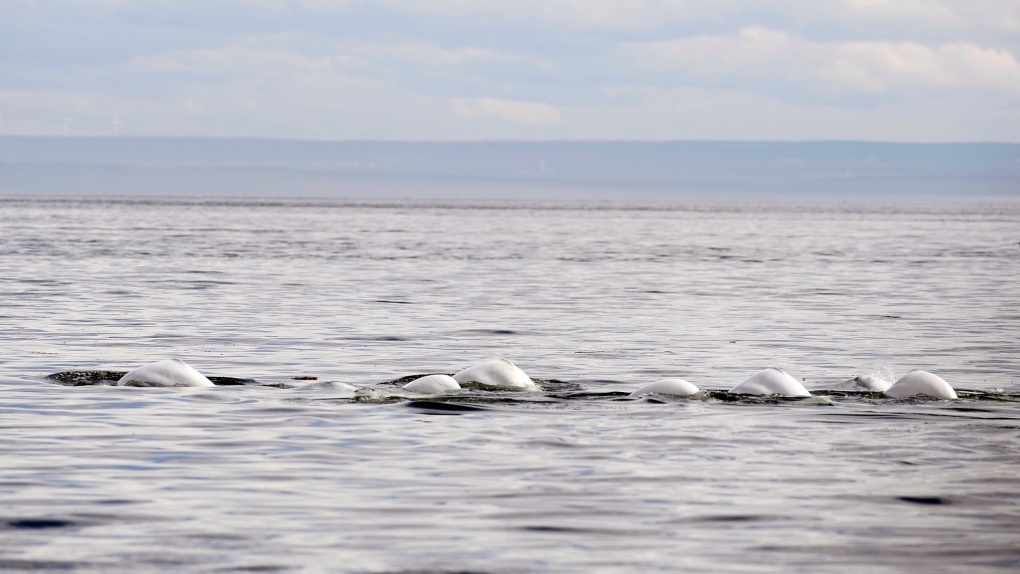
(902, 70)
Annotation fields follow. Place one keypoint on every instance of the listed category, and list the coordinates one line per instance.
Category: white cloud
(232, 59)
(723, 114)
(717, 55)
(951, 14)
(429, 54)
(886, 66)
(869, 66)
(629, 15)
(414, 69)
(529, 113)
(632, 15)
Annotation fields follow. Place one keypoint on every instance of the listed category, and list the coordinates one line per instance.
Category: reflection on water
(591, 300)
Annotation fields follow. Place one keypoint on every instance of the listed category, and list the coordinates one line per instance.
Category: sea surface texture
(283, 472)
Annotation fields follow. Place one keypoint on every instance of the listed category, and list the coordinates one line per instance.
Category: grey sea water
(286, 473)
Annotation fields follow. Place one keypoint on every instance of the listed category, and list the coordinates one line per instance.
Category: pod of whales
(433, 385)
(771, 381)
(167, 373)
(677, 387)
(501, 373)
(918, 382)
(496, 373)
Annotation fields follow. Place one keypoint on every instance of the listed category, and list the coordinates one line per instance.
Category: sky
(460, 70)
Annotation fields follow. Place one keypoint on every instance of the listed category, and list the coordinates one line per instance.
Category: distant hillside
(598, 170)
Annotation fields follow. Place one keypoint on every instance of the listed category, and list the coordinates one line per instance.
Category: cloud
(718, 55)
(232, 60)
(886, 66)
(499, 69)
(756, 54)
(646, 15)
(435, 56)
(949, 16)
(529, 113)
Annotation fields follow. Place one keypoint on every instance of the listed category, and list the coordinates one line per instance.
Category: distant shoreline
(628, 170)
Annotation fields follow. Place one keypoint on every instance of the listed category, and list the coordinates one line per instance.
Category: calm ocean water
(592, 298)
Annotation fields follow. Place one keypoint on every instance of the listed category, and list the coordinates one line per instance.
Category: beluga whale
(432, 385)
(496, 373)
(166, 373)
(771, 381)
(870, 383)
(918, 382)
(677, 387)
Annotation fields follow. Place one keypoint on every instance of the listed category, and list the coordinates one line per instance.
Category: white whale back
(678, 387)
(496, 373)
(771, 381)
(433, 385)
(167, 373)
(919, 382)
